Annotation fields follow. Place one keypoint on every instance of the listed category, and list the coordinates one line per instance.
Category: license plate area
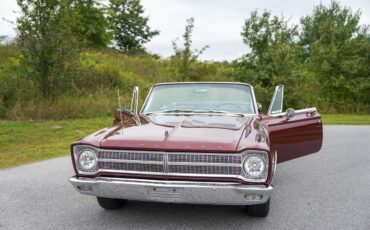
(166, 194)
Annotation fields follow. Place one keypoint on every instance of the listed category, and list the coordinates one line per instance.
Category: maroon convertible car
(200, 143)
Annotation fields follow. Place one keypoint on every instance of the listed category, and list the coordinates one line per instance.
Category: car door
(294, 133)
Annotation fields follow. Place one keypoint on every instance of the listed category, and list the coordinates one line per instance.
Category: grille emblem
(165, 163)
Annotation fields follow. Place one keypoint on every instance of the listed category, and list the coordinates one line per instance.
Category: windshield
(201, 97)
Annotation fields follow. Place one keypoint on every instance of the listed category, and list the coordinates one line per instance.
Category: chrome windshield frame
(179, 83)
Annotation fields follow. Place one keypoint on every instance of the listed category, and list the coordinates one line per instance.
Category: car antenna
(119, 106)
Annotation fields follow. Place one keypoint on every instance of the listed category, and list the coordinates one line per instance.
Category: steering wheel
(229, 103)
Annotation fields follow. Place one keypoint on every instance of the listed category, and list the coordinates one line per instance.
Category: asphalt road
(327, 190)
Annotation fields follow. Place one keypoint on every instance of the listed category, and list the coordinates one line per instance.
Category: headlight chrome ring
(255, 166)
(87, 159)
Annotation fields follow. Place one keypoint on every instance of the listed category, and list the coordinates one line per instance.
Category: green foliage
(186, 58)
(325, 64)
(46, 42)
(96, 77)
(89, 23)
(261, 33)
(130, 27)
(336, 52)
(272, 59)
(9, 81)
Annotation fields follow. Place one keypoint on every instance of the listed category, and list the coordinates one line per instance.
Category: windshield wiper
(197, 111)
(219, 111)
(172, 111)
(177, 111)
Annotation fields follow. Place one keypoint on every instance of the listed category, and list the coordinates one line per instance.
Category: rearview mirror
(259, 107)
(135, 99)
(290, 113)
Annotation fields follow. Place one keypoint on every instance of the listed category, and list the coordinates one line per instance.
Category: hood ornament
(166, 134)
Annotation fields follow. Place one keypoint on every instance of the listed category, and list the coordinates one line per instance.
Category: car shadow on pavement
(166, 215)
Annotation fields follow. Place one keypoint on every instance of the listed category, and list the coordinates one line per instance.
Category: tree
(325, 63)
(130, 28)
(90, 24)
(46, 42)
(337, 53)
(186, 55)
(272, 57)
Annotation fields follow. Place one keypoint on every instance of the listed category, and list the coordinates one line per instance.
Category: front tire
(110, 203)
(258, 210)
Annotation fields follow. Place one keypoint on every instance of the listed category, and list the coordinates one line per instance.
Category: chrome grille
(215, 170)
(168, 163)
(128, 155)
(130, 167)
(205, 158)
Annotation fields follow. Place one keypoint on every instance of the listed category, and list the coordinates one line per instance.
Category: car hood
(176, 133)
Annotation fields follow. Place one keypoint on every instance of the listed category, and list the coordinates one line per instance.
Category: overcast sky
(218, 23)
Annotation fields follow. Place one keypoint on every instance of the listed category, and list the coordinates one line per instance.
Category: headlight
(87, 159)
(255, 166)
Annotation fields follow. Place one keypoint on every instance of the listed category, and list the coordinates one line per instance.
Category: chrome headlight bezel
(263, 155)
(77, 151)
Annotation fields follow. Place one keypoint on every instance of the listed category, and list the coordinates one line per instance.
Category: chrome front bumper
(173, 191)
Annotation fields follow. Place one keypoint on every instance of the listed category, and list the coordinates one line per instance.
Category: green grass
(345, 119)
(28, 141)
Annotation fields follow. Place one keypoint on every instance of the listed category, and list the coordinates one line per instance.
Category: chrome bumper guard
(218, 193)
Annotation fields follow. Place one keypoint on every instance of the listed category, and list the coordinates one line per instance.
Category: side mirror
(290, 113)
(259, 107)
(135, 100)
